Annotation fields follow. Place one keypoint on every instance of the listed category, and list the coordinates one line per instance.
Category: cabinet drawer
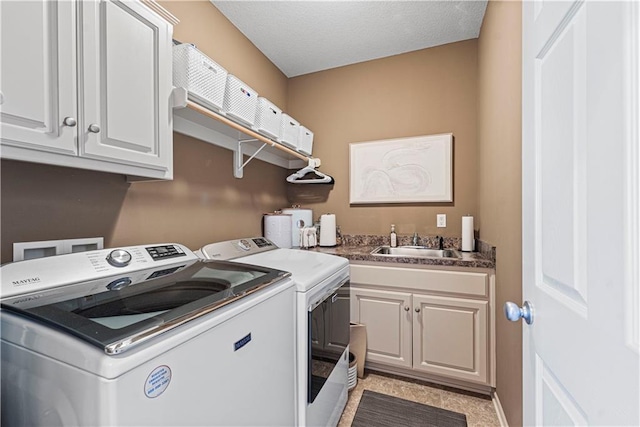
(449, 282)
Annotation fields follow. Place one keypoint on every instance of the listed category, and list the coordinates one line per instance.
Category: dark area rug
(380, 410)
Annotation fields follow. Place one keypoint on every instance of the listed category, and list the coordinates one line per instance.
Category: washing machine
(146, 336)
(322, 321)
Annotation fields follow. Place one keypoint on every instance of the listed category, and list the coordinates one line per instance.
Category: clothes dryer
(322, 321)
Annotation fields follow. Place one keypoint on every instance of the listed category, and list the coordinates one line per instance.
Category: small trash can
(352, 378)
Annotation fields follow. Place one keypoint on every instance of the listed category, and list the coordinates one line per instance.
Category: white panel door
(126, 72)
(581, 355)
(450, 337)
(387, 316)
(38, 86)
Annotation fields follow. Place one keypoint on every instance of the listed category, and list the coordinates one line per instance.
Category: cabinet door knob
(417, 309)
(406, 308)
(69, 121)
(93, 128)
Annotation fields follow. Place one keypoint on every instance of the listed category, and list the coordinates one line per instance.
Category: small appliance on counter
(277, 228)
(308, 238)
(328, 230)
(300, 218)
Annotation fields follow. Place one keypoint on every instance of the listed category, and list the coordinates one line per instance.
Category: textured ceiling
(302, 37)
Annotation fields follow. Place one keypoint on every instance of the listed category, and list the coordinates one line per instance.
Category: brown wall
(203, 25)
(500, 195)
(425, 92)
(203, 203)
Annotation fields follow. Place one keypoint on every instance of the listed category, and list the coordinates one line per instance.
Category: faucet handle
(415, 239)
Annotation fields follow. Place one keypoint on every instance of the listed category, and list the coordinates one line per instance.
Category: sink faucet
(415, 239)
(440, 243)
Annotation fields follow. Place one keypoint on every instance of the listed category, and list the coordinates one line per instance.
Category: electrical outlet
(441, 220)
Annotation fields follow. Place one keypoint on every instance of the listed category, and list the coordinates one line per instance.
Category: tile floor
(478, 408)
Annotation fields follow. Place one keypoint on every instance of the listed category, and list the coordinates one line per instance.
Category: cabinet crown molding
(164, 13)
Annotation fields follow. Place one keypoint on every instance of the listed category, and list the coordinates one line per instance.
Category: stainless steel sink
(415, 251)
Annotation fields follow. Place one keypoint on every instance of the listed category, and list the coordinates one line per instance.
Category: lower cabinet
(434, 324)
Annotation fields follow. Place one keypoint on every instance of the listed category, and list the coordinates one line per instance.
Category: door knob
(93, 128)
(514, 313)
(417, 309)
(69, 121)
(406, 308)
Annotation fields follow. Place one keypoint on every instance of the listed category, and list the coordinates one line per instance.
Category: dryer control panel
(232, 249)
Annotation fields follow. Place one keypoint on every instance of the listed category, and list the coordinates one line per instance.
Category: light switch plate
(441, 220)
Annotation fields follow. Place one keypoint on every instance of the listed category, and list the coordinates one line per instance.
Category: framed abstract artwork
(403, 170)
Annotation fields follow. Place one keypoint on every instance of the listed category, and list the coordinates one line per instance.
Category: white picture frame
(402, 170)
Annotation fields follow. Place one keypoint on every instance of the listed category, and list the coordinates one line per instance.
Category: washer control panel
(40, 274)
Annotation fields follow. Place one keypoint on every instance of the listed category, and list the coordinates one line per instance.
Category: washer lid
(307, 268)
(119, 312)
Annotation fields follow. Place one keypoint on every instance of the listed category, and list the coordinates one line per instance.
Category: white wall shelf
(201, 123)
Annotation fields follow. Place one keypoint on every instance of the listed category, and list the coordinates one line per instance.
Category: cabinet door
(387, 317)
(38, 87)
(450, 337)
(126, 84)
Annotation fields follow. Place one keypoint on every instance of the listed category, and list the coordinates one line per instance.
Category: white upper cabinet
(127, 83)
(87, 84)
(38, 73)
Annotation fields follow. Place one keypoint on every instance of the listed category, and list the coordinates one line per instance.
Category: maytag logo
(28, 281)
(215, 255)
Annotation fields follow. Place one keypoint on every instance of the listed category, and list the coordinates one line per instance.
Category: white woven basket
(268, 118)
(305, 141)
(289, 129)
(240, 101)
(200, 75)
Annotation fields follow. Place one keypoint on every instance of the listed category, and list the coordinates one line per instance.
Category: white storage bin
(240, 101)
(268, 118)
(200, 75)
(289, 129)
(305, 141)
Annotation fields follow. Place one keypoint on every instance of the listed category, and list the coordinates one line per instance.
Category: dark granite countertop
(358, 248)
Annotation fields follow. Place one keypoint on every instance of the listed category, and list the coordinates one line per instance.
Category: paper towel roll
(467, 234)
(277, 228)
(298, 214)
(328, 230)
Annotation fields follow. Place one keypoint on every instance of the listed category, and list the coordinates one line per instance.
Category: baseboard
(430, 378)
(501, 416)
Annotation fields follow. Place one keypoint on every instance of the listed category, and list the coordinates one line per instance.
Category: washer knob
(119, 258)
(118, 284)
